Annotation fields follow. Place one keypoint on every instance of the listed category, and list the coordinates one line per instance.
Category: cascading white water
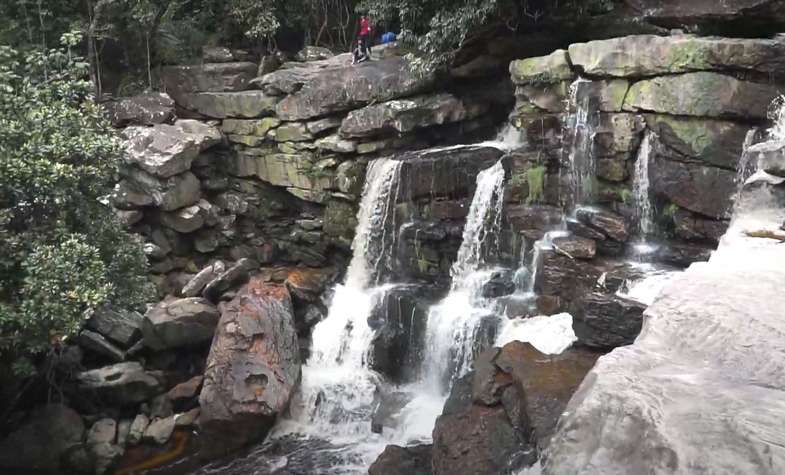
(582, 167)
(640, 188)
(454, 322)
(338, 388)
(540, 246)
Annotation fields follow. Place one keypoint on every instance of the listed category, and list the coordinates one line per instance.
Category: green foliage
(65, 254)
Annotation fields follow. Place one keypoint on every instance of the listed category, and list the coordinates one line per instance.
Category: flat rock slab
(649, 55)
(702, 94)
(700, 391)
(175, 323)
(123, 384)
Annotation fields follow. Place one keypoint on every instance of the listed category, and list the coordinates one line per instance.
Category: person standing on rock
(365, 36)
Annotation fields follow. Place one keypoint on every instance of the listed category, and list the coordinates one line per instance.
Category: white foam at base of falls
(646, 289)
(550, 335)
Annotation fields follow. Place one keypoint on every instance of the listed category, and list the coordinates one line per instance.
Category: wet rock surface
(608, 321)
(253, 367)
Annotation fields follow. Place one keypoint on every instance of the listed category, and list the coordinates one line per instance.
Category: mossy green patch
(535, 178)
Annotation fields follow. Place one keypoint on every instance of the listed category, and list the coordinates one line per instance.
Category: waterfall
(337, 390)
(640, 189)
(582, 167)
(540, 246)
(454, 322)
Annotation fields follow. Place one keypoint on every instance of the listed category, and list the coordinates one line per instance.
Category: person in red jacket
(365, 36)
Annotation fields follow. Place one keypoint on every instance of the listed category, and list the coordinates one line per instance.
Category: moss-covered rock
(549, 69)
(701, 94)
(648, 55)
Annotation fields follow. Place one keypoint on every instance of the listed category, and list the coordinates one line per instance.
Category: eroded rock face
(43, 442)
(210, 77)
(253, 367)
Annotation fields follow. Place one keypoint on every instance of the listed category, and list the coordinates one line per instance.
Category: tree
(64, 253)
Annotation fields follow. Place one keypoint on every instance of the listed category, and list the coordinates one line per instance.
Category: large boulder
(120, 326)
(216, 77)
(161, 150)
(322, 91)
(701, 94)
(550, 69)
(175, 323)
(253, 367)
(607, 321)
(44, 442)
(141, 189)
(455, 167)
(704, 190)
(405, 115)
(123, 384)
(714, 142)
(143, 109)
(221, 105)
(649, 55)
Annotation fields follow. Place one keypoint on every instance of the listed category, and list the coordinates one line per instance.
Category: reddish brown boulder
(252, 370)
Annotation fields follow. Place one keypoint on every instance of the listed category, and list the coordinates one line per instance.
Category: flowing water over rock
(701, 389)
(640, 189)
(581, 124)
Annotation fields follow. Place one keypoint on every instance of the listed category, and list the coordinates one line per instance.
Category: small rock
(137, 429)
(611, 224)
(608, 321)
(122, 384)
(103, 431)
(187, 390)
(187, 419)
(185, 220)
(120, 326)
(235, 275)
(195, 286)
(96, 343)
(575, 247)
(159, 431)
(123, 430)
(161, 407)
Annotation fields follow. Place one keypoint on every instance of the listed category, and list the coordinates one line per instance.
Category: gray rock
(161, 406)
(701, 94)
(322, 91)
(217, 77)
(120, 326)
(396, 460)
(253, 367)
(102, 431)
(575, 247)
(704, 190)
(143, 109)
(233, 276)
(291, 132)
(96, 343)
(130, 217)
(123, 384)
(694, 227)
(255, 127)
(195, 286)
(648, 55)
(42, 442)
(318, 126)
(609, 223)
(549, 69)
(711, 14)
(608, 321)
(217, 54)
(123, 429)
(184, 220)
(161, 150)
(405, 115)
(334, 143)
(159, 431)
(138, 428)
(143, 189)
(769, 156)
(313, 53)
(221, 105)
(204, 134)
(105, 456)
(187, 390)
(188, 418)
(175, 323)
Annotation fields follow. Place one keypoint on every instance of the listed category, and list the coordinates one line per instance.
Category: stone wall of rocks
(695, 101)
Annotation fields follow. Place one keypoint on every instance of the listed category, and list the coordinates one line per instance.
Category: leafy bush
(64, 252)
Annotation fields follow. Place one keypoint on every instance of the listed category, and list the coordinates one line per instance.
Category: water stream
(640, 189)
